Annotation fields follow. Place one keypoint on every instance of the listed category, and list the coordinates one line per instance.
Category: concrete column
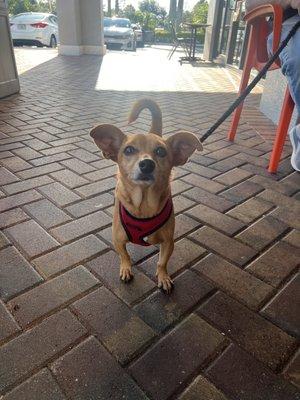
(80, 27)
(213, 31)
(9, 81)
(91, 13)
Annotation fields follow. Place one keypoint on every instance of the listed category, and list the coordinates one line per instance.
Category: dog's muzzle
(146, 167)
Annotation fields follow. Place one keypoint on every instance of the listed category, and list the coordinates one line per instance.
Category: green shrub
(162, 36)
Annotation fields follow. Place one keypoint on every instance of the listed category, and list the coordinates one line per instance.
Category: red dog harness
(139, 228)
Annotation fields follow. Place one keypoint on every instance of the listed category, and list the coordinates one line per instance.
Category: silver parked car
(34, 28)
(119, 31)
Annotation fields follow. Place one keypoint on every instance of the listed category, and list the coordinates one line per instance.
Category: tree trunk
(179, 12)
(109, 8)
(117, 8)
(172, 11)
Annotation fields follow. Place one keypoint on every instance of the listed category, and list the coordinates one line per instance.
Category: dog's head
(145, 159)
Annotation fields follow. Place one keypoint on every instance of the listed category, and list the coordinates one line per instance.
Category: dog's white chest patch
(137, 197)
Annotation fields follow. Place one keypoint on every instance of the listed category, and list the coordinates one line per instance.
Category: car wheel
(53, 42)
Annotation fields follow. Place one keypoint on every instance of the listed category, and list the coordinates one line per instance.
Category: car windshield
(120, 23)
(29, 17)
(107, 22)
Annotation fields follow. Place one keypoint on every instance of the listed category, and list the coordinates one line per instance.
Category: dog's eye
(160, 151)
(129, 150)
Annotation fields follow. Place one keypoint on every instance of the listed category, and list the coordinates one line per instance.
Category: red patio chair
(257, 56)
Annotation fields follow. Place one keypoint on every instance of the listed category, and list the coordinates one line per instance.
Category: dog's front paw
(165, 283)
(126, 274)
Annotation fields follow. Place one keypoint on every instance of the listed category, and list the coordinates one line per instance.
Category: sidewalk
(69, 328)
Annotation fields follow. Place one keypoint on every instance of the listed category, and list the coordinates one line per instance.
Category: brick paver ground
(69, 328)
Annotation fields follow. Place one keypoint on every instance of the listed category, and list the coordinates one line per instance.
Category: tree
(187, 16)
(200, 11)
(152, 7)
(129, 12)
(20, 6)
(46, 6)
(150, 14)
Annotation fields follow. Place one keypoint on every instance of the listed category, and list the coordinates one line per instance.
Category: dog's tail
(156, 125)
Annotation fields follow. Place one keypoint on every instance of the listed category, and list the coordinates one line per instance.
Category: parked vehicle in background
(32, 28)
(138, 35)
(118, 31)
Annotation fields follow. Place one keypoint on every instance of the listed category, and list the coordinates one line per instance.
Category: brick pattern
(70, 329)
(41, 386)
(16, 273)
(286, 317)
(31, 238)
(237, 283)
(34, 347)
(8, 325)
(242, 377)
(201, 388)
(160, 311)
(40, 301)
(105, 379)
(252, 332)
(120, 329)
(188, 346)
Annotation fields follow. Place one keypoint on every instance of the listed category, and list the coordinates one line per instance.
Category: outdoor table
(192, 48)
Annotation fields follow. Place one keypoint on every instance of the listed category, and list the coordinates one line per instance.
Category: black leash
(248, 89)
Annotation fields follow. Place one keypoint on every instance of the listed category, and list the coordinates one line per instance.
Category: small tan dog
(143, 212)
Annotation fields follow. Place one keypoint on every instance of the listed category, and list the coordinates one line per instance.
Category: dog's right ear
(109, 139)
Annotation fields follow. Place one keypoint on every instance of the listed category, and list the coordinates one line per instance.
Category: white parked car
(34, 28)
(119, 31)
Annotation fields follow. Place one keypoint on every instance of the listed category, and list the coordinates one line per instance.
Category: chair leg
(244, 81)
(170, 52)
(173, 51)
(186, 50)
(282, 129)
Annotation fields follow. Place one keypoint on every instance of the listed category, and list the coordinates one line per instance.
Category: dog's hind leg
(164, 280)
(125, 263)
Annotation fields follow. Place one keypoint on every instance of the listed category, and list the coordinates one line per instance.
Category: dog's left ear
(109, 139)
(183, 144)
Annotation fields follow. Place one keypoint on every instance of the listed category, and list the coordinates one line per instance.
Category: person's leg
(290, 60)
(290, 66)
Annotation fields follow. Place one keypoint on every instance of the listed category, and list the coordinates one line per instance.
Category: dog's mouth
(148, 178)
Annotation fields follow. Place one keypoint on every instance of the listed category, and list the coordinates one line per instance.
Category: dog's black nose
(147, 166)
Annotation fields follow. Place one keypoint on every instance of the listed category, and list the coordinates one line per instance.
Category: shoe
(294, 135)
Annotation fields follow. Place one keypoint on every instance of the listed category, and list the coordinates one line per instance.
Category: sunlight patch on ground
(149, 69)
(30, 57)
